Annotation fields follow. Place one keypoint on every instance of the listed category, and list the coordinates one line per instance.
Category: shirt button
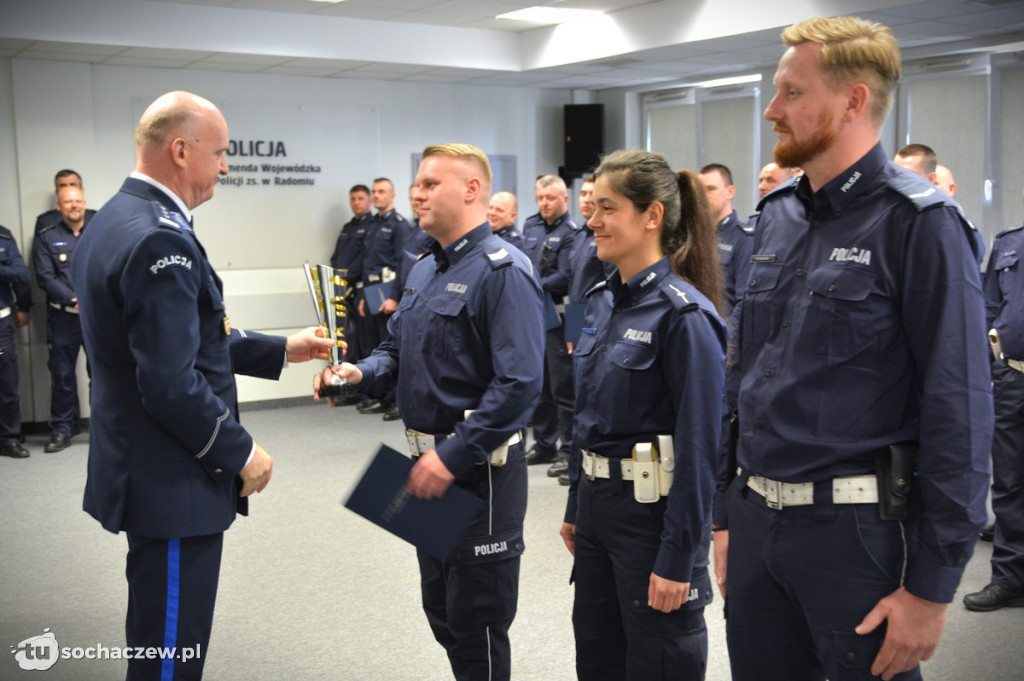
(785, 324)
(831, 287)
(800, 273)
(770, 373)
(753, 282)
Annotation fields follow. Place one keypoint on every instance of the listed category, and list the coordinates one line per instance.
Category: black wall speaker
(584, 137)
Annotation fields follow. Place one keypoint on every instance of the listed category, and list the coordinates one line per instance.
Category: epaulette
(922, 194)
(1009, 230)
(167, 218)
(499, 257)
(599, 286)
(748, 226)
(678, 296)
(47, 228)
(787, 187)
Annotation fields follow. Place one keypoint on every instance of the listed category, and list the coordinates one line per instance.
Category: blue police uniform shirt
(552, 256)
(15, 278)
(416, 243)
(587, 270)
(384, 244)
(651, 361)
(455, 344)
(349, 250)
(52, 253)
(735, 244)
(1004, 291)
(510, 235)
(863, 325)
(533, 236)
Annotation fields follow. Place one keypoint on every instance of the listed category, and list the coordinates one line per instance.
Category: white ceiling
(459, 41)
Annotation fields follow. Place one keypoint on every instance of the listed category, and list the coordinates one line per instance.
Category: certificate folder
(433, 527)
(376, 294)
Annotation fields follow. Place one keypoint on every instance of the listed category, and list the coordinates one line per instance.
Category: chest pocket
(445, 333)
(759, 320)
(61, 254)
(1007, 270)
(846, 313)
(630, 366)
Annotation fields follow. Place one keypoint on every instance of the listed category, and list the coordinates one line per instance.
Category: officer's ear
(654, 215)
(179, 151)
(474, 189)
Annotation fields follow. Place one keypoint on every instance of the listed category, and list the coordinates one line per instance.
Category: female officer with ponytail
(649, 367)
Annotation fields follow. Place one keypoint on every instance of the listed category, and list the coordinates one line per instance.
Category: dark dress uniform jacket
(165, 444)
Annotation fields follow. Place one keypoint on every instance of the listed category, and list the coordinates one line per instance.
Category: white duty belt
(853, 489)
(421, 443)
(64, 308)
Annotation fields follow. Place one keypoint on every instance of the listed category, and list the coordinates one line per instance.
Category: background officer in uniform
(1004, 296)
(63, 178)
(52, 253)
(650, 362)
(455, 344)
(861, 356)
(349, 253)
(551, 242)
(15, 302)
(384, 241)
(169, 463)
(502, 212)
(735, 239)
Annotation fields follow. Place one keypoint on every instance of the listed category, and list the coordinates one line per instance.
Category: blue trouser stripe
(171, 617)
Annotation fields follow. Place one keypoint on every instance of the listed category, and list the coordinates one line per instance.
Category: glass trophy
(329, 289)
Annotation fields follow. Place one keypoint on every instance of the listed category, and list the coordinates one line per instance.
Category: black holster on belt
(895, 469)
(733, 435)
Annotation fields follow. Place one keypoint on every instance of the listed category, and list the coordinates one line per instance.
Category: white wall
(60, 114)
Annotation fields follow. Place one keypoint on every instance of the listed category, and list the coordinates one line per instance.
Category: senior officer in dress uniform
(14, 287)
(52, 253)
(169, 463)
(1004, 308)
(455, 344)
(650, 373)
(861, 366)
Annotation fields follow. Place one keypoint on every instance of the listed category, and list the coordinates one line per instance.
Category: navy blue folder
(574, 314)
(433, 527)
(376, 294)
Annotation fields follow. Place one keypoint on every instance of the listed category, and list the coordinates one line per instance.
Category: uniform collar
(728, 220)
(640, 284)
(171, 195)
(846, 187)
(457, 250)
(385, 215)
(558, 221)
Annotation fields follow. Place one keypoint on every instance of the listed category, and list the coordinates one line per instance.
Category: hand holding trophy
(329, 289)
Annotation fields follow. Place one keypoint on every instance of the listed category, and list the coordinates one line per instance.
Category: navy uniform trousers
(64, 343)
(10, 401)
(470, 601)
(172, 589)
(799, 580)
(552, 418)
(1008, 478)
(617, 542)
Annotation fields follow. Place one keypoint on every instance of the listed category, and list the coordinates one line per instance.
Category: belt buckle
(772, 493)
